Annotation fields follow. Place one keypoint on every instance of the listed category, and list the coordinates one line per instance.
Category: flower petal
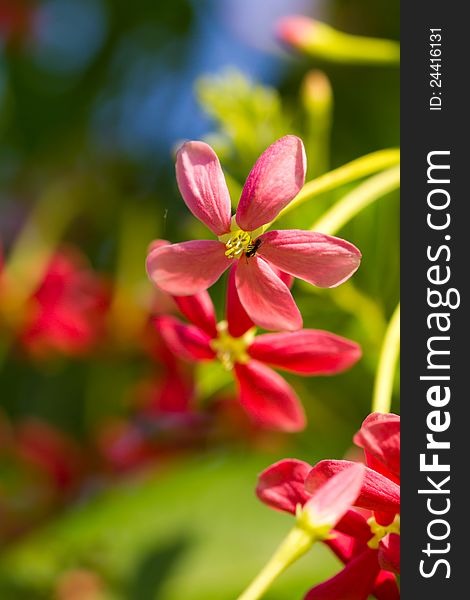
(389, 553)
(380, 438)
(331, 500)
(378, 492)
(238, 321)
(266, 299)
(276, 178)
(322, 260)
(310, 351)
(386, 587)
(354, 524)
(187, 268)
(354, 582)
(202, 185)
(282, 485)
(267, 397)
(344, 546)
(186, 341)
(199, 309)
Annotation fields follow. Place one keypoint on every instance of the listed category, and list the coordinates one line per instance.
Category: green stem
(337, 46)
(296, 544)
(383, 387)
(352, 171)
(349, 206)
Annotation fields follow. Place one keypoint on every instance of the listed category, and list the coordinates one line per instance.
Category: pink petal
(266, 299)
(331, 500)
(267, 397)
(378, 492)
(354, 582)
(322, 260)
(199, 310)
(281, 486)
(386, 587)
(276, 179)
(238, 321)
(202, 185)
(310, 351)
(187, 268)
(186, 341)
(389, 553)
(380, 438)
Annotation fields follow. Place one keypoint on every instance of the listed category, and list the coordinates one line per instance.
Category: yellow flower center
(380, 531)
(238, 241)
(231, 350)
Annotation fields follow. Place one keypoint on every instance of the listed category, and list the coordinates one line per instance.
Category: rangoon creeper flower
(263, 393)
(190, 267)
(367, 542)
(67, 312)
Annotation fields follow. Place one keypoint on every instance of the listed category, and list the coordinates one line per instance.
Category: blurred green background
(95, 95)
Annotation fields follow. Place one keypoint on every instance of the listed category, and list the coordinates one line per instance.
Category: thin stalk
(296, 544)
(354, 202)
(352, 171)
(383, 387)
(337, 46)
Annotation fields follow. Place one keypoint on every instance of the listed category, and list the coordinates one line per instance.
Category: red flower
(263, 393)
(66, 313)
(367, 542)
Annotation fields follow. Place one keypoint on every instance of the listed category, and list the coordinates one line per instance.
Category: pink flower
(263, 393)
(190, 267)
(367, 542)
(67, 312)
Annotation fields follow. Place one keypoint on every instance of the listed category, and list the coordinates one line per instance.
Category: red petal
(380, 438)
(354, 582)
(344, 546)
(331, 500)
(282, 485)
(268, 398)
(355, 525)
(389, 553)
(386, 587)
(310, 351)
(186, 341)
(199, 310)
(238, 321)
(378, 492)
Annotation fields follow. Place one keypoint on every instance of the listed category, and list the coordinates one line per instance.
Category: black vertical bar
(434, 118)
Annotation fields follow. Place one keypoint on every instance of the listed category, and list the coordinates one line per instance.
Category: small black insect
(252, 248)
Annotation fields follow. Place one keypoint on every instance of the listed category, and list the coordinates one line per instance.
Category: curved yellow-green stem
(352, 171)
(383, 387)
(296, 544)
(353, 203)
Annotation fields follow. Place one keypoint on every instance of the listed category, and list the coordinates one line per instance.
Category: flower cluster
(366, 538)
(262, 266)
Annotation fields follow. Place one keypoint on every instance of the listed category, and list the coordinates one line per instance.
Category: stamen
(380, 531)
(231, 350)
